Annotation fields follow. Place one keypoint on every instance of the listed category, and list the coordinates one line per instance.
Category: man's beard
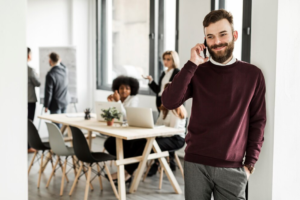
(223, 55)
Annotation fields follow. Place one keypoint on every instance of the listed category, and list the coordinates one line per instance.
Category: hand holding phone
(204, 50)
(195, 54)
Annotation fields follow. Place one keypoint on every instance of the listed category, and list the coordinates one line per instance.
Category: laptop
(140, 117)
(105, 105)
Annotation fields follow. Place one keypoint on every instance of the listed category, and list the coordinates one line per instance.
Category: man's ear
(235, 35)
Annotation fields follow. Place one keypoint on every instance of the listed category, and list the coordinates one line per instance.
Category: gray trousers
(201, 181)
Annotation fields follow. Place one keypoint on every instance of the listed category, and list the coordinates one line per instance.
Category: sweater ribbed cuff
(250, 161)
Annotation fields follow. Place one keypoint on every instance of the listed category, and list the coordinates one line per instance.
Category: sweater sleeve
(257, 122)
(181, 87)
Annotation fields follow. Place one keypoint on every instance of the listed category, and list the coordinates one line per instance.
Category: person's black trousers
(133, 148)
(59, 111)
(158, 103)
(30, 113)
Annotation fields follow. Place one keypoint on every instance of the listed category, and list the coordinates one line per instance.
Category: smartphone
(204, 51)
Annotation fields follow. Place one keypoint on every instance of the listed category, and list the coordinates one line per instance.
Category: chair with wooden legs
(59, 148)
(35, 142)
(84, 155)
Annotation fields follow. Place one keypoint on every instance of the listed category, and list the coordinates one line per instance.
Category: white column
(13, 100)
(275, 49)
(263, 55)
(286, 163)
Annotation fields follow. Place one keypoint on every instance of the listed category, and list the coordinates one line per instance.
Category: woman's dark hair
(125, 80)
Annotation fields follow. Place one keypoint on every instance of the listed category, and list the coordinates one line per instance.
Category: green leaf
(110, 113)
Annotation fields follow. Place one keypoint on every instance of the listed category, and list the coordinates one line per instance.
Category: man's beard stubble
(222, 56)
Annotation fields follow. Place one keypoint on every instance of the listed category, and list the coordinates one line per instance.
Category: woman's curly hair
(126, 80)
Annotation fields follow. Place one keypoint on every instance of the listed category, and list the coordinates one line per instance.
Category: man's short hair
(217, 15)
(28, 51)
(54, 57)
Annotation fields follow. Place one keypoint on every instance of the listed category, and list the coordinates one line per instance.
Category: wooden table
(125, 133)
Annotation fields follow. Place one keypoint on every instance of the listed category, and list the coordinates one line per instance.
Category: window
(131, 36)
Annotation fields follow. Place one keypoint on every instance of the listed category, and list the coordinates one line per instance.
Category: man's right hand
(195, 54)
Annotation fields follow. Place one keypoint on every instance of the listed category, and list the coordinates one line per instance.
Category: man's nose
(217, 41)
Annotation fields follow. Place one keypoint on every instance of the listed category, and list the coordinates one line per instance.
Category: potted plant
(110, 114)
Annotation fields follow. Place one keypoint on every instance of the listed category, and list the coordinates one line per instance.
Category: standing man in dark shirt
(33, 81)
(56, 87)
(226, 129)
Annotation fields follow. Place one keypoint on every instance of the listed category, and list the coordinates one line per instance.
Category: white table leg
(142, 165)
(121, 172)
(167, 169)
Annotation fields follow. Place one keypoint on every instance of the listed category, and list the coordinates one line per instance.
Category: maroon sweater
(228, 112)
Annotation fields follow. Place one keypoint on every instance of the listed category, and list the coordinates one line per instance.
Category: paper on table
(74, 115)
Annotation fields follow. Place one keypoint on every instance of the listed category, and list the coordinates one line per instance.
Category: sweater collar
(233, 60)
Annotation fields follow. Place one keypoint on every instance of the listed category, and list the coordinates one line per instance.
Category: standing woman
(171, 61)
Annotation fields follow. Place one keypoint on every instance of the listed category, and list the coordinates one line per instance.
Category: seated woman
(171, 118)
(125, 91)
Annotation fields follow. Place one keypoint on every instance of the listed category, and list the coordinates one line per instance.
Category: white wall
(263, 54)
(287, 108)
(13, 100)
(62, 23)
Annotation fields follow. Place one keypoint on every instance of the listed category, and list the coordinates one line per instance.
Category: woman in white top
(171, 62)
(172, 118)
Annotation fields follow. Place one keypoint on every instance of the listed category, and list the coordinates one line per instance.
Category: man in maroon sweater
(228, 117)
